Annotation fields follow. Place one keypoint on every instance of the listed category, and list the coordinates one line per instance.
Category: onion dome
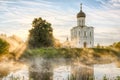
(81, 13)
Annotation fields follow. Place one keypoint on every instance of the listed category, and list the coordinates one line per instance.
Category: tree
(117, 45)
(41, 34)
(4, 46)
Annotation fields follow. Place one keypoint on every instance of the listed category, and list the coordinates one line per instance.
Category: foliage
(4, 47)
(105, 78)
(117, 78)
(87, 56)
(117, 45)
(52, 53)
(41, 34)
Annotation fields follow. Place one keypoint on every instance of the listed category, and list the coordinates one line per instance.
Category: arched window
(76, 34)
(90, 34)
(79, 33)
(79, 22)
(82, 22)
(85, 34)
(90, 42)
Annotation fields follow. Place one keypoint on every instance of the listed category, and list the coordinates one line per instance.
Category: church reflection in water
(73, 72)
(82, 73)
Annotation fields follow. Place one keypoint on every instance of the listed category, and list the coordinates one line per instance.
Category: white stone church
(82, 36)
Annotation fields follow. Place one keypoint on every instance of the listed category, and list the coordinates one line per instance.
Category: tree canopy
(41, 34)
(117, 45)
(4, 46)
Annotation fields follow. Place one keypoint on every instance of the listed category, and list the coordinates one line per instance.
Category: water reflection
(22, 74)
(83, 72)
(108, 70)
(62, 73)
(57, 70)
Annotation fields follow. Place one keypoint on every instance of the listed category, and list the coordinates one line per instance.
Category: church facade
(82, 36)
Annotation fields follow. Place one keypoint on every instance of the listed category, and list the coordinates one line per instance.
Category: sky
(16, 17)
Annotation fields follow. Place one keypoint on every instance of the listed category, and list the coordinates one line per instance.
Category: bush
(4, 47)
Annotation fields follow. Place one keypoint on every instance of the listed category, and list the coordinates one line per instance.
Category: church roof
(81, 13)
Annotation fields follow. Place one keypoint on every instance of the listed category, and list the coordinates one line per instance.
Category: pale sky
(16, 17)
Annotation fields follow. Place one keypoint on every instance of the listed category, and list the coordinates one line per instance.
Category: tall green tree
(4, 46)
(41, 34)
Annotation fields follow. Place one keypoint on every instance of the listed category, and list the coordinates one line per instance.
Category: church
(82, 36)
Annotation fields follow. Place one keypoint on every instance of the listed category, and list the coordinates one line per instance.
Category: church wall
(88, 38)
(78, 36)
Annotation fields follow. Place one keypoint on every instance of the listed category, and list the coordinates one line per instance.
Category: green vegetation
(117, 45)
(91, 55)
(98, 52)
(41, 34)
(4, 47)
(71, 78)
(116, 78)
(92, 78)
(52, 52)
(105, 78)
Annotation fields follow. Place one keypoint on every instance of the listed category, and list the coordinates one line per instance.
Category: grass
(52, 53)
(94, 54)
(71, 78)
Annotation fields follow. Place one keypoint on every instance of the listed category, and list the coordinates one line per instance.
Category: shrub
(4, 47)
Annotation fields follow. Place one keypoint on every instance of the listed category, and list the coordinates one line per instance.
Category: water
(97, 71)
(22, 74)
(108, 70)
(64, 72)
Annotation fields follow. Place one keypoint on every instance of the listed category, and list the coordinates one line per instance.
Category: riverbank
(87, 56)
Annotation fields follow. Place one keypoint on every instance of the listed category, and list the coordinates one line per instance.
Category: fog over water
(58, 69)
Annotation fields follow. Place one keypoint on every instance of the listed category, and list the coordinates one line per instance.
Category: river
(64, 72)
